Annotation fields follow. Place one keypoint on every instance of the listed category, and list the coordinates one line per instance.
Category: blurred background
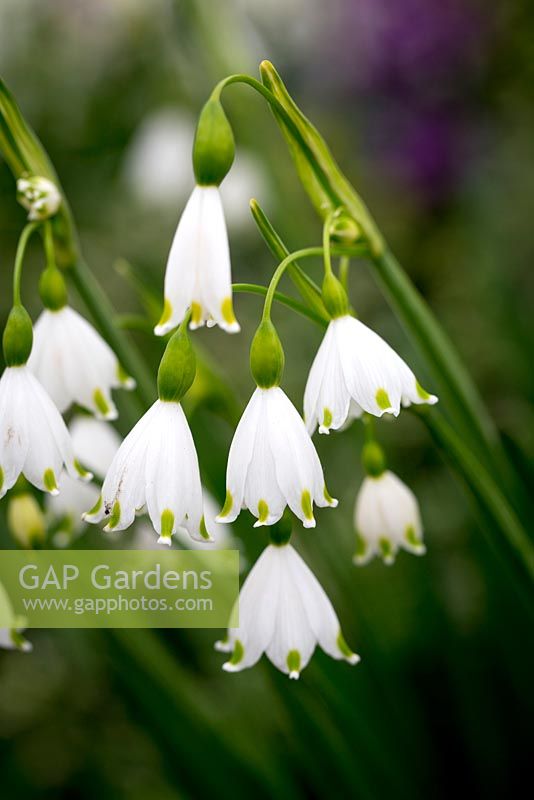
(428, 108)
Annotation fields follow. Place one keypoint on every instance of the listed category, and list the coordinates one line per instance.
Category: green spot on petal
(115, 516)
(1, 478)
(386, 549)
(306, 504)
(361, 546)
(423, 394)
(167, 523)
(239, 652)
(166, 313)
(203, 530)
(196, 313)
(124, 379)
(344, 649)
(227, 311)
(293, 661)
(49, 480)
(96, 508)
(328, 497)
(263, 511)
(82, 472)
(411, 537)
(228, 503)
(382, 399)
(101, 403)
(327, 418)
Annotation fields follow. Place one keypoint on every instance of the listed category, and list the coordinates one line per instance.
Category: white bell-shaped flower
(157, 466)
(283, 612)
(94, 443)
(198, 274)
(386, 518)
(354, 371)
(273, 463)
(74, 363)
(34, 439)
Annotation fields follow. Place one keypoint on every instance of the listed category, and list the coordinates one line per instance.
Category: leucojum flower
(272, 460)
(34, 440)
(198, 274)
(156, 465)
(356, 371)
(70, 359)
(386, 515)
(283, 612)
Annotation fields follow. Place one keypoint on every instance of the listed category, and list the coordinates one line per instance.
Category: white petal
(182, 265)
(14, 440)
(95, 443)
(326, 398)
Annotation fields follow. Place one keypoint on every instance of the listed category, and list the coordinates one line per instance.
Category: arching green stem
(279, 271)
(284, 299)
(27, 231)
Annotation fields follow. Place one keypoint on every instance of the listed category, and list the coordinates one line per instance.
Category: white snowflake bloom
(34, 439)
(198, 274)
(354, 371)
(94, 443)
(39, 196)
(157, 466)
(74, 363)
(273, 463)
(386, 517)
(283, 612)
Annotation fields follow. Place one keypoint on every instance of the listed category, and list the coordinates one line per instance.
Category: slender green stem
(27, 231)
(284, 299)
(49, 245)
(369, 427)
(327, 224)
(279, 271)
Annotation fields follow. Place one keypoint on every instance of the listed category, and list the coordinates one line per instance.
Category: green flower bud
(266, 356)
(25, 520)
(18, 337)
(374, 460)
(214, 148)
(53, 289)
(177, 368)
(334, 296)
(280, 532)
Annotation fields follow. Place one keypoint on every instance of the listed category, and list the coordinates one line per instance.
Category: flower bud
(214, 148)
(177, 368)
(52, 289)
(374, 460)
(334, 296)
(39, 196)
(25, 520)
(18, 337)
(266, 356)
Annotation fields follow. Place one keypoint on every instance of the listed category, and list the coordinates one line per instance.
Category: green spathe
(18, 337)
(334, 296)
(266, 356)
(53, 289)
(214, 148)
(177, 368)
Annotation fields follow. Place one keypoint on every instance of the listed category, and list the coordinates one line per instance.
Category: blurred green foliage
(442, 700)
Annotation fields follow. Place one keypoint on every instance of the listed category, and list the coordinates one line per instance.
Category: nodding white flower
(155, 465)
(94, 443)
(34, 439)
(283, 612)
(386, 517)
(39, 196)
(11, 637)
(198, 272)
(74, 363)
(273, 463)
(355, 370)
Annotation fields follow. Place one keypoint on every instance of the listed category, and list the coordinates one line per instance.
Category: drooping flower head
(386, 514)
(70, 359)
(198, 273)
(272, 461)
(156, 465)
(354, 371)
(34, 440)
(283, 612)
